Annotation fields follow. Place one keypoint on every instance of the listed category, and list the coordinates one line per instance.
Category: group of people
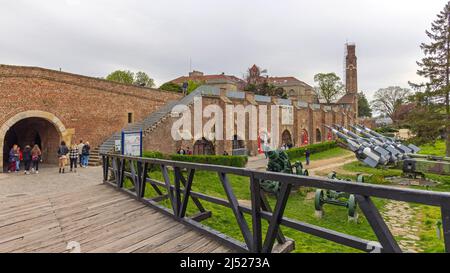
(182, 151)
(29, 156)
(77, 155)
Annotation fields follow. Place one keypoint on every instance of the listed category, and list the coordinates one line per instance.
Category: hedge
(152, 154)
(224, 160)
(313, 148)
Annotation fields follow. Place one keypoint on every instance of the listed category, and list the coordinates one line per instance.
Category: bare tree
(388, 100)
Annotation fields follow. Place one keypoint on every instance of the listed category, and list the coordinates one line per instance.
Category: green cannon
(336, 198)
(279, 162)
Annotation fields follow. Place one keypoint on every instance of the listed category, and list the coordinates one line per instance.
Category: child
(73, 157)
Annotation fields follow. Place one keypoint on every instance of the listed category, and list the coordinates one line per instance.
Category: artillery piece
(337, 198)
(374, 149)
(279, 162)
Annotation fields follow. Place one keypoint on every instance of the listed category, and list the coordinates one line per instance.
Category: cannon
(337, 198)
(374, 150)
(279, 162)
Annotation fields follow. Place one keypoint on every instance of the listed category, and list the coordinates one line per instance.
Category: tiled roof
(348, 98)
(207, 78)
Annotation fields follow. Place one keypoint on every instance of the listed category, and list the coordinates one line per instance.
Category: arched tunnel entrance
(31, 131)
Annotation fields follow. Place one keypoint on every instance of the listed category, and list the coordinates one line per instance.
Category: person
(85, 152)
(35, 158)
(12, 159)
(18, 158)
(188, 151)
(62, 156)
(80, 152)
(225, 153)
(307, 155)
(73, 157)
(26, 156)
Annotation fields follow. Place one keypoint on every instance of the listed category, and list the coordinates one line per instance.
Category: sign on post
(132, 143)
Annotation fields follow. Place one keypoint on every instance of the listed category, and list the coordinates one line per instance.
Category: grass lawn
(437, 148)
(333, 152)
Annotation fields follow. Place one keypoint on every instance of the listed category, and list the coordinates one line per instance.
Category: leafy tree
(142, 79)
(388, 100)
(123, 76)
(364, 109)
(170, 86)
(435, 66)
(126, 76)
(329, 86)
(192, 85)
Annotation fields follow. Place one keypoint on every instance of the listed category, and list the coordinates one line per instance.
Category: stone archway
(304, 137)
(286, 138)
(203, 147)
(33, 127)
(318, 135)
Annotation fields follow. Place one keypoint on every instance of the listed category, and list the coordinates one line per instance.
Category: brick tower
(351, 79)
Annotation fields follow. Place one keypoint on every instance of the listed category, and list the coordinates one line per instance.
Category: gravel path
(48, 181)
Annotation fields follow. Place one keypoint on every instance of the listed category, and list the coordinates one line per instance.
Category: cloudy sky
(289, 38)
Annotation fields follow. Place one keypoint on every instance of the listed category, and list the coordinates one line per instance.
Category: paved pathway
(48, 181)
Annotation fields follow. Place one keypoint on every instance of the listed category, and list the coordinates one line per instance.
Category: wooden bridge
(103, 218)
(100, 219)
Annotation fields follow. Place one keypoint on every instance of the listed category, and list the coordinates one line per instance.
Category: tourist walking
(12, 159)
(26, 156)
(80, 152)
(62, 156)
(73, 156)
(35, 158)
(86, 152)
(307, 155)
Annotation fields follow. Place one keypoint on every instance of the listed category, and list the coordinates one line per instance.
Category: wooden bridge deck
(100, 219)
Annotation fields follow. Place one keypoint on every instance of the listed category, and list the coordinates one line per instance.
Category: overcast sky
(288, 38)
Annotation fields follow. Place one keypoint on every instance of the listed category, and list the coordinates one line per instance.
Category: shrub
(152, 154)
(313, 148)
(224, 160)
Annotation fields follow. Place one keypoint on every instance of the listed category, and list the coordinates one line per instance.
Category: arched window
(203, 147)
(318, 135)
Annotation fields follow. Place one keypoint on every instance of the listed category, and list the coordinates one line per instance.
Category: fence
(117, 167)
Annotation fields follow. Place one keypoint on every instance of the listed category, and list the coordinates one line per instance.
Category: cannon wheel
(351, 204)
(360, 178)
(318, 200)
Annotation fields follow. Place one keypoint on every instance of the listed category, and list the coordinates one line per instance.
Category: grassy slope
(334, 152)
(437, 148)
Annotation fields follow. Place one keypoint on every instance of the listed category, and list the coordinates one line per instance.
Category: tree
(126, 76)
(435, 66)
(170, 86)
(142, 79)
(123, 76)
(192, 85)
(364, 109)
(329, 86)
(388, 100)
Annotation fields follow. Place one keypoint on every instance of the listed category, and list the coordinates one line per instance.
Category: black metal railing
(116, 168)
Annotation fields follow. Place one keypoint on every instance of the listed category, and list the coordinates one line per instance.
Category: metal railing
(117, 167)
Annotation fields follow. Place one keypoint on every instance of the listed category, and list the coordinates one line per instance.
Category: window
(130, 117)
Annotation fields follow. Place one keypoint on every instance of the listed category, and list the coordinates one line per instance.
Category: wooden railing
(116, 168)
